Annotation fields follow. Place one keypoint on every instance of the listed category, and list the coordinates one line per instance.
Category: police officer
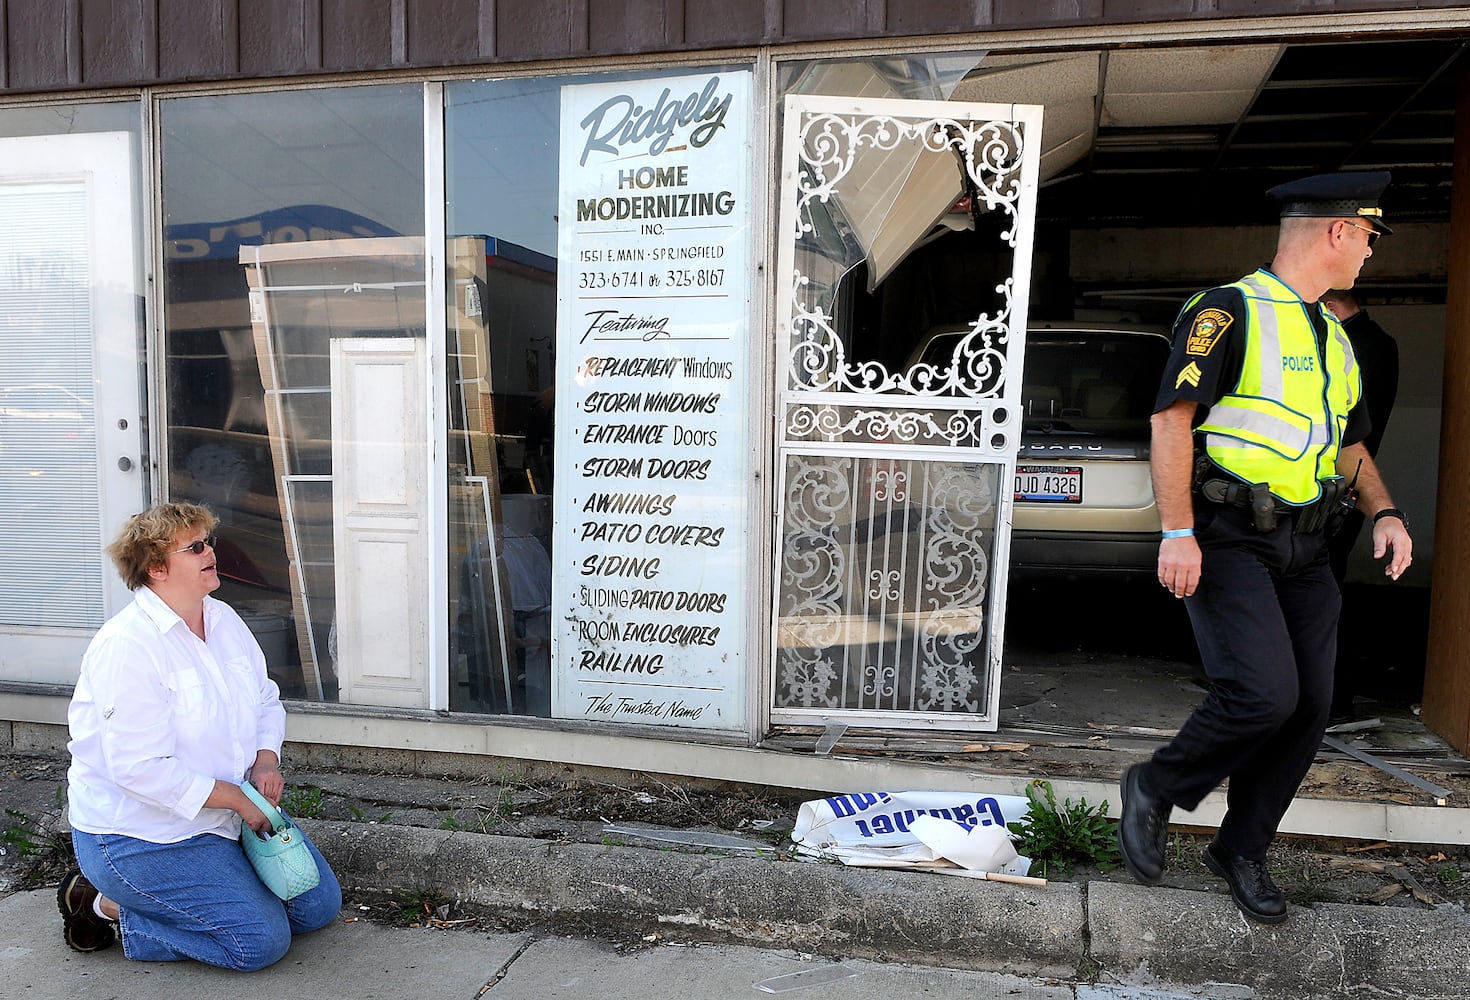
(1258, 419)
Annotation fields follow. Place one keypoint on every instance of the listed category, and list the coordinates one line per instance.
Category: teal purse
(282, 860)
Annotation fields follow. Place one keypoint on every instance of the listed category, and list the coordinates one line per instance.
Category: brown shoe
(82, 928)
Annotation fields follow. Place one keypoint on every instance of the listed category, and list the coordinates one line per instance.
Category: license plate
(1049, 483)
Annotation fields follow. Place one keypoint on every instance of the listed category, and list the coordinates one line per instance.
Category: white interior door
(379, 517)
(71, 446)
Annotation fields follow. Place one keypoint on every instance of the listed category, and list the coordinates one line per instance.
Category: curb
(1326, 950)
(1136, 934)
(618, 891)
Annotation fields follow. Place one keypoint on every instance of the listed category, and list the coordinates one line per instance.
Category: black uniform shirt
(1209, 354)
(1378, 360)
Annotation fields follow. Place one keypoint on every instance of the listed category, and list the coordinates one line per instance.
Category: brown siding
(540, 29)
(1173, 10)
(280, 36)
(716, 23)
(116, 47)
(444, 31)
(62, 44)
(38, 33)
(1023, 13)
(357, 34)
(197, 39)
(804, 19)
(616, 26)
(937, 15)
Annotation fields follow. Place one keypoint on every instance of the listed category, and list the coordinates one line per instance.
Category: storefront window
(623, 202)
(296, 367)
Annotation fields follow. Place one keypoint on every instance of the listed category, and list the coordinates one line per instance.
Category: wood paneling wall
(48, 45)
(1447, 671)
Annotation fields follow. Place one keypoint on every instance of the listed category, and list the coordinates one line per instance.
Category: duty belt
(1336, 499)
(1234, 494)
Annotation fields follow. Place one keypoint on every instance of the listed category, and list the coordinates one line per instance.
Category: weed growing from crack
(41, 840)
(502, 807)
(422, 905)
(302, 801)
(1061, 836)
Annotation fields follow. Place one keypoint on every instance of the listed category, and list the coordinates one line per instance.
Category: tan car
(1084, 499)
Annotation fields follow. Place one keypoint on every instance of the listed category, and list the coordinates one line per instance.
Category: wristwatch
(1392, 512)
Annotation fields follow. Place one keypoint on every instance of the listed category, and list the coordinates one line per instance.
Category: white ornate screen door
(894, 490)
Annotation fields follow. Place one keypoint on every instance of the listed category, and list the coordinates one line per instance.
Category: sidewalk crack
(504, 970)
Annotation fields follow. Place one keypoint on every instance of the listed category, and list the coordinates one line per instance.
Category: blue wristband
(1180, 533)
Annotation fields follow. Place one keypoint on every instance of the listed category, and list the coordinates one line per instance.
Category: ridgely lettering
(620, 120)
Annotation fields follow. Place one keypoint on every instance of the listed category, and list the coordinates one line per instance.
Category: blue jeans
(200, 899)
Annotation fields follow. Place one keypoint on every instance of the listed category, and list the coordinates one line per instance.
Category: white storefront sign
(653, 291)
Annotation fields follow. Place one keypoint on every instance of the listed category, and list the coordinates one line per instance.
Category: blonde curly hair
(150, 537)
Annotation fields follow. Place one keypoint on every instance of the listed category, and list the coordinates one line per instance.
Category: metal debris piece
(1133, 730)
(690, 838)
(829, 737)
(1359, 726)
(1440, 793)
(1213, 991)
(804, 978)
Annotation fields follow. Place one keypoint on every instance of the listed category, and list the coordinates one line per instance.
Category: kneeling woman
(172, 711)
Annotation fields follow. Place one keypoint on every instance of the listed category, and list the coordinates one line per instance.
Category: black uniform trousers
(1265, 617)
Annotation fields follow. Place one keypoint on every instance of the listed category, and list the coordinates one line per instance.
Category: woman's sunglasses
(197, 547)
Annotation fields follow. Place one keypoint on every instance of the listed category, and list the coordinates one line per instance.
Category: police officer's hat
(1345, 195)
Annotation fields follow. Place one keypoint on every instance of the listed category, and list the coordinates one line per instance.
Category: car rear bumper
(1090, 552)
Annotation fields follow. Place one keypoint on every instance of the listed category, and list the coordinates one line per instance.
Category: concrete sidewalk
(1126, 933)
(365, 961)
(706, 926)
(717, 906)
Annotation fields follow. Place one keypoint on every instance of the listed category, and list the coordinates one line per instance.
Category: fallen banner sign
(913, 829)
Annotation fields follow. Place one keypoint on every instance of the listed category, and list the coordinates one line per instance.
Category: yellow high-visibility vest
(1283, 422)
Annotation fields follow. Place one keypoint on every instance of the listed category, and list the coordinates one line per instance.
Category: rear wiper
(1052, 427)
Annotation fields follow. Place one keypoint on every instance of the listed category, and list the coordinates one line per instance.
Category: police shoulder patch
(1209, 324)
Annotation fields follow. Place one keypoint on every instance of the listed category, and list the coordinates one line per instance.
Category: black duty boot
(1143, 829)
(1251, 887)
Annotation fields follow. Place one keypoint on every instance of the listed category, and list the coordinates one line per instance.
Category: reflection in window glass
(501, 159)
(501, 162)
(70, 119)
(324, 191)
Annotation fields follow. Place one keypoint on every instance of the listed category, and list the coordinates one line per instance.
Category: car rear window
(1092, 382)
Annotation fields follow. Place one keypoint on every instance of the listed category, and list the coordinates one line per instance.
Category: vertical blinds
(49, 494)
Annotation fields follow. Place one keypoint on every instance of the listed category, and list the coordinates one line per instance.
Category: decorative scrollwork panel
(839, 154)
(884, 584)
